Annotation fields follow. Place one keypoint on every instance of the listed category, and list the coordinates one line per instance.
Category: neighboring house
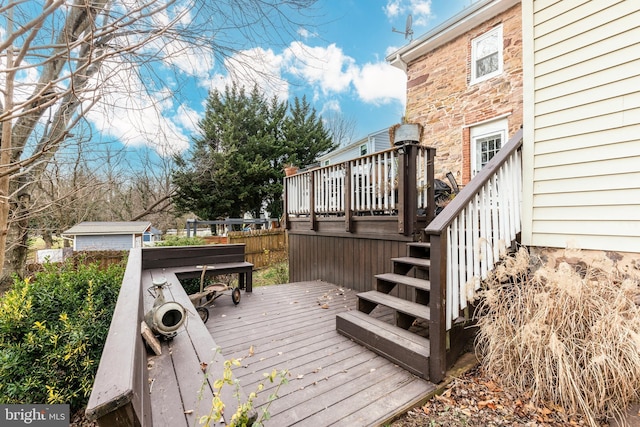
(100, 236)
(582, 125)
(464, 85)
(372, 143)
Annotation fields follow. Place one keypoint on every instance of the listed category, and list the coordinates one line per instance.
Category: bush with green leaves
(181, 241)
(52, 330)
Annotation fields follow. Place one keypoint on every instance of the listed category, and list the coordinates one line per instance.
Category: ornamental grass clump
(566, 335)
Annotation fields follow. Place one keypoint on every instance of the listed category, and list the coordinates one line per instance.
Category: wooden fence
(263, 247)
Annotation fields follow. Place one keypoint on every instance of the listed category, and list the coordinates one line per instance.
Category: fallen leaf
(324, 306)
(250, 351)
(300, 377)
(203, 366)
(188, 411)
(492, 386)
(444, 399)
(487, 403)
(545, 410)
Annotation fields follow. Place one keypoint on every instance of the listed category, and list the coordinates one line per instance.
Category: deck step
(425, 245)
(406, 349)
(413, 282)
(403, 306)
(419, 249)
(416, 262)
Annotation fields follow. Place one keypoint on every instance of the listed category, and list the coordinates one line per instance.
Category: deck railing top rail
(450, 212)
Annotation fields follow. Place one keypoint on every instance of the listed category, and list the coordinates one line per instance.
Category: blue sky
(338, 63)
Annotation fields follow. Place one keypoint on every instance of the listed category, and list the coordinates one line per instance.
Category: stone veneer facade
(440, 97)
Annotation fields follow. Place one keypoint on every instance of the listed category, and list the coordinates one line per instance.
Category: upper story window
(363, 149)
(486, 55)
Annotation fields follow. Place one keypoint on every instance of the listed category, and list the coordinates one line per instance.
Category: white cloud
(420, 10)
(258, 66)
(305, 34)
(328, 67)
(331, 106)
(380, 83)
(187, 118)
(392, 9)
(127, 111)
(325, 71)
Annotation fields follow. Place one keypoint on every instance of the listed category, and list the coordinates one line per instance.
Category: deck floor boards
(332, 381)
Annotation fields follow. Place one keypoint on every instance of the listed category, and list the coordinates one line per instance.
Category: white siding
(113, 242)
(582, 124)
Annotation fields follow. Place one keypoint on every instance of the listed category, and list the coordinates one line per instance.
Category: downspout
(403, 65)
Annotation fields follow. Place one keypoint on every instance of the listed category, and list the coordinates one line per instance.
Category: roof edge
(457, 25)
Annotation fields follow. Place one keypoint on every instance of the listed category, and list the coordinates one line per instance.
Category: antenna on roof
(408, 31)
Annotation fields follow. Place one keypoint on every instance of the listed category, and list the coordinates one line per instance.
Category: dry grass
(568, 335)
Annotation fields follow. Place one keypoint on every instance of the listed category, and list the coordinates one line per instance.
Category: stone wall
(440, 98)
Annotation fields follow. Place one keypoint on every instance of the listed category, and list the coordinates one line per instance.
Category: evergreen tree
(306, 137)
(236, 163)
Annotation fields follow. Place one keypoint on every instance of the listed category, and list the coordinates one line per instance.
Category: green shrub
(52, 331)
(275, 274)
(181, 241)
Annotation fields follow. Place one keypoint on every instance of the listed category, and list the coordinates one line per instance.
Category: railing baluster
(461, 301)
(475, 224)
(449, 285)
(469, 247)
(454, 266)
(495, 226)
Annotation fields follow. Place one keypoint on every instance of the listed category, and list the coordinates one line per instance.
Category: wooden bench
(133, 387)
(189, 261)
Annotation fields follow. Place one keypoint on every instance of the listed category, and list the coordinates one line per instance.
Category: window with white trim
(486, 55)
(363, 150)
(486, 141)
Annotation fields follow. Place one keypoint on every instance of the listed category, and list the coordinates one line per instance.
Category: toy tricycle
(211, 293)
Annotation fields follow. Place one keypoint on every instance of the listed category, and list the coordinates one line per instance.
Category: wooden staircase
(400, 342)
(434, 278)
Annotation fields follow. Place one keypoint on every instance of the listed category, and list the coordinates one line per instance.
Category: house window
(486, 141)
(486, 55)
(326, 163)
(363, 150)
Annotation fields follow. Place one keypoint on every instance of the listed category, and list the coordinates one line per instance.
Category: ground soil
(473, 399)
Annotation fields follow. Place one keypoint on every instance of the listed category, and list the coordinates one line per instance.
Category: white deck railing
(372, 186)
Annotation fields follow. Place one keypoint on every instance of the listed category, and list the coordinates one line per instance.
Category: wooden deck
(332, 380)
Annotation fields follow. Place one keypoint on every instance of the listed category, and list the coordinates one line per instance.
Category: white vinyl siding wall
(582, 115)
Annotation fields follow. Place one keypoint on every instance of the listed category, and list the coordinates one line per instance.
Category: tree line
(236, 163)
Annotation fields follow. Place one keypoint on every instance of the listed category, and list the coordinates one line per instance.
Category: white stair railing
(479, 235)
(467, 238)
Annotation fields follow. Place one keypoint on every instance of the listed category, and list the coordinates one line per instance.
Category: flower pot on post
(407, 133)
(290, 170)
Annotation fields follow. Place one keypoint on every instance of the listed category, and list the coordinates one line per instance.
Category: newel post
(437, 307)
(285, 203)
(406, 139)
